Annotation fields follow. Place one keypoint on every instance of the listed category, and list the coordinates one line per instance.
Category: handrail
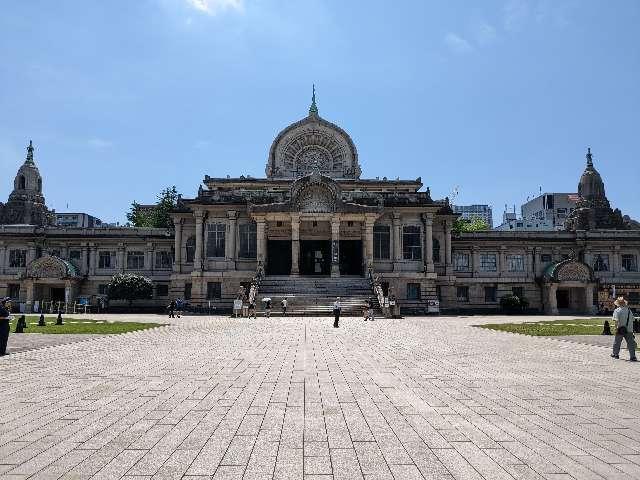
(376, 287)
(255, 284)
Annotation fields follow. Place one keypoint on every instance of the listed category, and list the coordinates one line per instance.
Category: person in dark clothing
(172, 307)
(267, 308)
(336, 312)
(5, 316)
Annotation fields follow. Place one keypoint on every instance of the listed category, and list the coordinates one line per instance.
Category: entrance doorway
(57, 294)
(351, 257)
(278, 257)
(315, 257)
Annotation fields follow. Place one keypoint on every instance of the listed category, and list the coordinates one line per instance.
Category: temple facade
(313, 216)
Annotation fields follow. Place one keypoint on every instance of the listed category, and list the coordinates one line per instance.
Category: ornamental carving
(316, 199)
(49, 267)
(573, 272)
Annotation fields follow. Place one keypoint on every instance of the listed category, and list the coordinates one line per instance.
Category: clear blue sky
(125, 97)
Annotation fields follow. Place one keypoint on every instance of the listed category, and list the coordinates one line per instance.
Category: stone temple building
(318, 229)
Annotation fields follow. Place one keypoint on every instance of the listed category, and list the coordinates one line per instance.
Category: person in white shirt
(623, 317)
(336, 312)
(283, 303)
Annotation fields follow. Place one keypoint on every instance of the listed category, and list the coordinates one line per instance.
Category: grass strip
(552, 328)
(83, 325)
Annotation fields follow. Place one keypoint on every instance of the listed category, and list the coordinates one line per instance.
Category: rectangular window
(13, 291)
(162, 290)
(135, 260)
(187, 291)
(462, 294)
(248, 240)
(413, 291)
(545, 258)
(436, 250)
(102, 289)
(54, 252)
(629, 263)
(488, 262)
(105, 259)
(461, 262)
(74, 257)
(17, 258)
(490, 294)
(215, 240)
(515, 263)
(411, 244)
(214, 290)
(164, 259)
(518, 292)
(381, 242)
(634, 298)
(601, 263)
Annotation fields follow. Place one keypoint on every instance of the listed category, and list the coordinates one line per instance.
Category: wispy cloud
(213, 7)
(202, 144)
(485, 33)
(516, 13)
(99, 143)
(457, 44)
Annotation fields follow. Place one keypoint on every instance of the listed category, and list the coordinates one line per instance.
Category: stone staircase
(315, 295)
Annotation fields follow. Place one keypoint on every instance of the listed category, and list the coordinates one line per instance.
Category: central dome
(310, 144)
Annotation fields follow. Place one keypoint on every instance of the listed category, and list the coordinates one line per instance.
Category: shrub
(130, 287)
(513, 303)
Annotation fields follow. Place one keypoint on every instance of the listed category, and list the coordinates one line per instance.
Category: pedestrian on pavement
(172, 307)
(179, 306)
(370, 314)
(623, 316)
(283, 303)
(252, 310)
(336, 312)
(5, 316)
(267, 308)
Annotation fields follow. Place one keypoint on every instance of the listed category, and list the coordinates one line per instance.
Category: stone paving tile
(212, 397)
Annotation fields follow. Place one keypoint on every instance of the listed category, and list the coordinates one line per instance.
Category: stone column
(528, 262)
(230, 244)
(588, 258)
(93, 258)
(556, 254)
(30, 287)
(397, 239)
(177, 246)
(197, 259)
(295, 244)
(3, 258)
(335, 245)
(84, 256)
(120, 257)
(588, 299)
(261, 239)
(31, 254)
(475, 260)
(552, 300)
(502, 260)
(368, 241)
(536, 261)
(616, 261)
(428, 242)
(447, 246)
(148, 257)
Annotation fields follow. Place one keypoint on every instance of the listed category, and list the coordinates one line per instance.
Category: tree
(157, 215)
(130, 287)
(470, 225)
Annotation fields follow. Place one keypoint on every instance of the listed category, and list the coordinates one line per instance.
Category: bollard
(607, 328)
(59, 319)
(20, 324)
(41, 322)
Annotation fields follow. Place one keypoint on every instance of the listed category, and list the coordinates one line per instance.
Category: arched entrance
(568, 287)
(50, 279)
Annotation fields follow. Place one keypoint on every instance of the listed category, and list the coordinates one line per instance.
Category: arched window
(436, 250)
(39, 185)
(22, 182)
(191, 249)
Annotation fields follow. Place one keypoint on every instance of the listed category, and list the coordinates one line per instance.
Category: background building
(547, 211)
(469, 212)
(77, 220)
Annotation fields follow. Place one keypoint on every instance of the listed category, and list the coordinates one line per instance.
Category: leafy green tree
(130, 287)
(472, 225)
(158, 215)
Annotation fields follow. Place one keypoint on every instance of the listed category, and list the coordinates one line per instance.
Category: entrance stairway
(315, 295)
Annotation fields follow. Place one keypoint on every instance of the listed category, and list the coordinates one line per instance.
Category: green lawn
(76, 325)
(591, 326)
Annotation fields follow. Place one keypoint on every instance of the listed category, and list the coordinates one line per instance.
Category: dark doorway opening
(57, 294)
(562, 297)
(350, 257)
(315, 257)
(278, 257)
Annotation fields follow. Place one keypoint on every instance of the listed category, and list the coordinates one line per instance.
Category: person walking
(370, 313)
(179, 306)
(252, 310)
(336, 312)
(172, 308)
(267, 308)
(283, 303)
(5, 316)
(623, 316)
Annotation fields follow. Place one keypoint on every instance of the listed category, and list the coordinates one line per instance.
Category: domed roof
(313, 143)
(591, 186)
(28, 176)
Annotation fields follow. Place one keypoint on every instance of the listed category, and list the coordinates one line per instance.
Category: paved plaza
(294, 398)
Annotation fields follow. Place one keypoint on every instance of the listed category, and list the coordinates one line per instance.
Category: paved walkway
(296, 399)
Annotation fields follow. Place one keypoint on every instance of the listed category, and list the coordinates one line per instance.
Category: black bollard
(41, 322)
(636, 326)
(607, 328)
(20, 324)
(59, 319)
